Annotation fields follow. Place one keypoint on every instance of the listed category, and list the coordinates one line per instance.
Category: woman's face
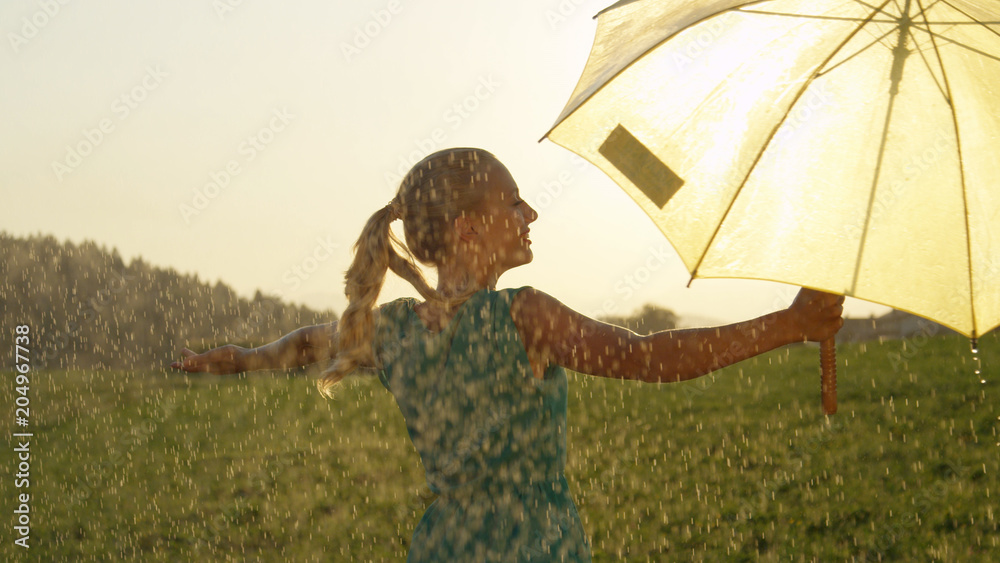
(504, 220)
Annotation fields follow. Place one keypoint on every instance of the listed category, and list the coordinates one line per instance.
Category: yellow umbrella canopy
(848, 146)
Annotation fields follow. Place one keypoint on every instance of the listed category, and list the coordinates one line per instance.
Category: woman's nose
(531, 215)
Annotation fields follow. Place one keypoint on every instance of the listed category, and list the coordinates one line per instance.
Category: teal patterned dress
(492, 438)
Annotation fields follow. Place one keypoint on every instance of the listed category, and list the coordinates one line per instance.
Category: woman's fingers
(820, 313)
(220, 361)
(190, 362)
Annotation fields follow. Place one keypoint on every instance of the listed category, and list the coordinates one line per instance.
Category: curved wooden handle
(828, 381)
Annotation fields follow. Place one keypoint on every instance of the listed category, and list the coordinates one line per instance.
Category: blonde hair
(436, 191)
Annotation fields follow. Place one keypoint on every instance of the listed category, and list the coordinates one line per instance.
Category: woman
(479, 373)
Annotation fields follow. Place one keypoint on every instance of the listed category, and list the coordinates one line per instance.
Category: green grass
(738, 466)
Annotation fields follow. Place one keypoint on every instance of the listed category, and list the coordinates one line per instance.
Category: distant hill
(648, 319)
(87, 308)
(894, 325)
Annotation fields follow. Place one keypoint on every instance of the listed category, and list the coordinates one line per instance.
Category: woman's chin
(526, 257)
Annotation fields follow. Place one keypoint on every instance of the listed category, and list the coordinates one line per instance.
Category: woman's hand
(816, 316)
(223, 360)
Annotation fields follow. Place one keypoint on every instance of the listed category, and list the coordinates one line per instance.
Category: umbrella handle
(828, 381)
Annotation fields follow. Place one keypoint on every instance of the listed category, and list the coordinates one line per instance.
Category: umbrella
(843, 145)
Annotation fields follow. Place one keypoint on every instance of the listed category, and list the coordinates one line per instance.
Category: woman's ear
(465, 228)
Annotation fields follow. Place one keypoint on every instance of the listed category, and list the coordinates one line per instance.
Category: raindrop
(976, 361)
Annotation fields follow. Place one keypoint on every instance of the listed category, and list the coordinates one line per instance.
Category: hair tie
(395, 209)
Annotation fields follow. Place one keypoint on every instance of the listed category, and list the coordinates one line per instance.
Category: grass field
(739, 466)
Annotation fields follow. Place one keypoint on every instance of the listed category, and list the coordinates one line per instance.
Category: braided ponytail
(433, 194)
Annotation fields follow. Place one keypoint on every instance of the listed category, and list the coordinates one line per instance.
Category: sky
(248, 141)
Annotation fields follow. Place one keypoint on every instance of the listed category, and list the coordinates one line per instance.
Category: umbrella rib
(941, 89)
(873, 7)
(767, 143)
(652, 48)
(986, 25)
(927, 63)
(808, 16)
(861, 50)
(953, 23)
(895, 77)
(961, 172)
(962, 45)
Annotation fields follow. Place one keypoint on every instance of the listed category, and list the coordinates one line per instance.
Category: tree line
(88, 309)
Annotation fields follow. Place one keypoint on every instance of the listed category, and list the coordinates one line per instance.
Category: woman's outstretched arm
(555, 334)
(304, 346)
